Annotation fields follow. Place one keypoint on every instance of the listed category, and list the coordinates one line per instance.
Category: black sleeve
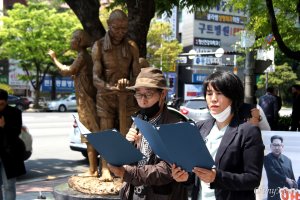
(13, 122)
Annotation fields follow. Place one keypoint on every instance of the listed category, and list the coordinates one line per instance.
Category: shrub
(284, 122)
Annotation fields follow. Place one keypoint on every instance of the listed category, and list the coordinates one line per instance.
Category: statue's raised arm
(81, 71)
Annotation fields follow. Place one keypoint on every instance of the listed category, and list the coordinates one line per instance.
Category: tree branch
(286, 50)
(88, 14)
(140, 13)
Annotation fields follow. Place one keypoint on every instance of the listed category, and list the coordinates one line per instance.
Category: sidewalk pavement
(30, 190)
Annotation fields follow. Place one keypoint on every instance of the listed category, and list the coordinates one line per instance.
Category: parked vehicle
(75, 138)
(195, 109)
(21, 103)
(43, 104)
(63, 104)
(174, 102)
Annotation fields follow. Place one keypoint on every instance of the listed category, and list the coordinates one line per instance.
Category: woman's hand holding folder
(117, 171)
(134, 136)
(179, 174)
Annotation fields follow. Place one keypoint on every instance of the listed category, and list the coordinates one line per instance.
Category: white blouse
(213, 141)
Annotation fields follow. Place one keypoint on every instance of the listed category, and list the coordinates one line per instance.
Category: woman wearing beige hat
(151, 177)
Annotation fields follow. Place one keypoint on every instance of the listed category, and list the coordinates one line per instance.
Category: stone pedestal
(64, 192)
(83, 188)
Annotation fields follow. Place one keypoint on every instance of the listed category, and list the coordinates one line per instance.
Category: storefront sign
(207, 42)
(199, 78)
(63, 84)
(192, 90)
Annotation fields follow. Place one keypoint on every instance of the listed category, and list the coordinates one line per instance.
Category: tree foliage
(6, 88)
(88, 14)
(28, 32)
(279, 18)
(162, 50)
(162, 6)
(283, 78)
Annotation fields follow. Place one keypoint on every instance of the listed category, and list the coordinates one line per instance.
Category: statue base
(79, 188)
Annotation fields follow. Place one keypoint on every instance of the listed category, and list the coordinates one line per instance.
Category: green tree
(7, 88)
(282, 24)
(283, 78)
(105, 12)
(28, 32)
(162, 51)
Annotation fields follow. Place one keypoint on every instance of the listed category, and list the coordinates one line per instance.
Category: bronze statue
(82, 72)
(143, 62)
(116, 66)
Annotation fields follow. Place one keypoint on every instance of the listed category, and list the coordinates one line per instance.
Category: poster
(291, 149)
(192, 90)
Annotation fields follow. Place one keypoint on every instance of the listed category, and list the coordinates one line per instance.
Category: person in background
(279, 100)
(151, 177)
(278, 168)
(295, 125)
(269, 105)
(236, 147)
(254, 115)
(12, 149)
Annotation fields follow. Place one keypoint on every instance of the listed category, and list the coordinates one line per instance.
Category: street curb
(34, 110)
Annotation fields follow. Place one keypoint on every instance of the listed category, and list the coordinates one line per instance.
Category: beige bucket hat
(150, 77)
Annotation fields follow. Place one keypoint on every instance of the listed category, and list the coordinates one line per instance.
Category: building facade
(205, 32)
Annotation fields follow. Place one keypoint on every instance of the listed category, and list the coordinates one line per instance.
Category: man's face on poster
(276, 147)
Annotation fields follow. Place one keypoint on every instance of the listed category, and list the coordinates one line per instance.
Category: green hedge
(284, 123)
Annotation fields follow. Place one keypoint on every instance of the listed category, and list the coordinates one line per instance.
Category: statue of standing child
(82, 72)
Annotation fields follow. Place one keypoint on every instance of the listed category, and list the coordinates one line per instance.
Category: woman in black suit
(236, 147)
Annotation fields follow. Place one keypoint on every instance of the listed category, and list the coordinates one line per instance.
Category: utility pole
(161, 45)
(249, 63)
(249, 77)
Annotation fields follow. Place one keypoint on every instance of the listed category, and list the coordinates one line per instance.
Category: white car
(63, 104)
(195, 109)
(75, 139)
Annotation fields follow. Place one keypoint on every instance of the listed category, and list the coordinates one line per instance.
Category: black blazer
(11, 146)
(239, 161)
